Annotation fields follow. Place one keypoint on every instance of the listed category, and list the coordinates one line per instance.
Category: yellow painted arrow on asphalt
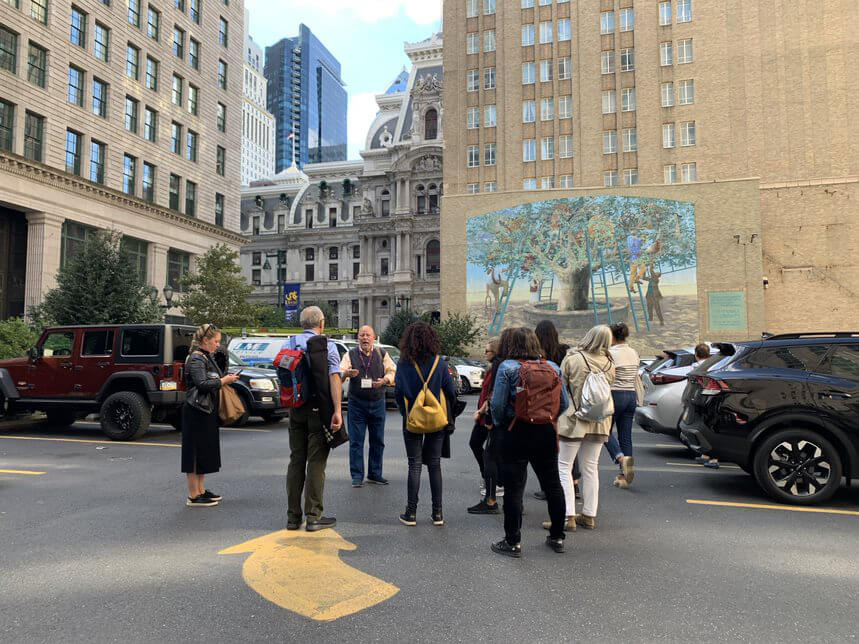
(302, 572)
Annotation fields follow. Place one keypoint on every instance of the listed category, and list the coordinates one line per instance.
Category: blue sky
(366, 36)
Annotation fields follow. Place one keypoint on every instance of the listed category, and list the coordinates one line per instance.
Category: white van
(260, 351)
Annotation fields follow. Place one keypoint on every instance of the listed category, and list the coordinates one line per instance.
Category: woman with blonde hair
(201, 447)
(581, 437)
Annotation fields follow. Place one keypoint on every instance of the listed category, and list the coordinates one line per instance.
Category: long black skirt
(201, 441)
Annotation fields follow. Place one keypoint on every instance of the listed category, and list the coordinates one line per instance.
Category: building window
(489, 78)
(527, 4)
(101, 46)
(610, 178)
(472, 80)
(630, 140)
(73, 152)
(489, 154)
(386, 202)
(256, 258)
(565, 146)
(136, 250)
(308, 273)
(470, 8)
(37, 65)
(529, 184)
(72, 239)
(97, 154)
(222, 117)
(153, 26)
(134, 13)
(175, 183)
(149, 182)
(191, 199)
(669, 173)
(627, 19)
(609, 102)
(607, 62)
(34, 136)
(7, 125)
(566, 181)
(684, 10)
(129, 174)
(490, 116)
(132, 62)
(665, 13)
(195, 11)
(150, 124)
(607, 22)
(490, 186)
(472, 118)
(99, 98)
(219, 209)
(529, 111)
(528, 35)
(609, 142)
(191, 146)
(309, 254)
(489, 40)
(630, 177)
(488, 7)
(547, 109)
(178, 264)
(690, 172)
(627, 99)
(546, 32)
(193, 94)
(529, 73)
(39, 10)
(176, 138)
(194, 53)
(546, 71)
(627, 60)
(223, 32)
(76, 86)
(685, 53)
(666, 53)
(178, 42)
(547, 148)
(131, 114)
(152, 74)
(564, 68)
(686, 94)
(687, 133)
(564, 29)
(529, 150)
(220, 161)
(473, 156)
(180, 5)
(433, 255)
(431, 125)
(668, 135)
(547, 183)
(565, 107)
(77, 31)
(177, 90)
(255, 226)
(667, 94)
(472, 43)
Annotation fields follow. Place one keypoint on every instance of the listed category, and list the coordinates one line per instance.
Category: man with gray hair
(308, 451)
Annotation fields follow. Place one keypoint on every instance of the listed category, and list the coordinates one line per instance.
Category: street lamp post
(281, 260)
(168, 298)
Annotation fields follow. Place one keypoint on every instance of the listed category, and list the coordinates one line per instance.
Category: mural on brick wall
(588, 260)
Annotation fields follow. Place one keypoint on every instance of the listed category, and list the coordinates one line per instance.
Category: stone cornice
(51, 177)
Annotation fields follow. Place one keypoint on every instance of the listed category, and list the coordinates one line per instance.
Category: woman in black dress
(201, 448)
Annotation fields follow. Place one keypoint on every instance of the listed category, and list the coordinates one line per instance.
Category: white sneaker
(499, 491)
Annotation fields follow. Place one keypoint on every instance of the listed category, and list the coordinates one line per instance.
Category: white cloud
(362, 111)
(422, 12)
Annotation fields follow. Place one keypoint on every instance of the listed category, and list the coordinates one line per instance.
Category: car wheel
(798, 466)
(61, 417)
(125, 416)
(466, 386)
(242, 420)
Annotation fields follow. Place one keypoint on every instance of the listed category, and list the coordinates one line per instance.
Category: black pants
(485, 458)
(424, 449)
(537, 445)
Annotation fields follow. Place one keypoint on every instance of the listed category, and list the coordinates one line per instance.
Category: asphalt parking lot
(98, 546)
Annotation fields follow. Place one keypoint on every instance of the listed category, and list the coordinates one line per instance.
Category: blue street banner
(291, 299)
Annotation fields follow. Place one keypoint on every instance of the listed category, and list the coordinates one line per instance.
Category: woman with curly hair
(419, 351)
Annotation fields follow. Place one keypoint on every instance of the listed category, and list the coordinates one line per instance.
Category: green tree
(457, 332)
(397, 326)
(332, 319)
(16, 337)
(100, 285)
(217, 293)
(269, 316)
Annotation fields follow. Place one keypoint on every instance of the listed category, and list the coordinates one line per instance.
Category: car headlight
(168, 385)
(263, 384)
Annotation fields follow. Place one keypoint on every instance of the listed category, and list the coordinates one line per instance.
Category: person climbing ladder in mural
(639, 258)
(653, 297)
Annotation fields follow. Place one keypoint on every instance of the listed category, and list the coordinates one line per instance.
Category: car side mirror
(34, 353)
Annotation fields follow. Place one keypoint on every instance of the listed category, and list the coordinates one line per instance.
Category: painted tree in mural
(558, 237)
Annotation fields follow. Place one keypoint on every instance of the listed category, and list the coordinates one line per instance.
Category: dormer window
(421, 195)
(431, 124)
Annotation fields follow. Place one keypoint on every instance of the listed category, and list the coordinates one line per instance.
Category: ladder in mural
(498, 317)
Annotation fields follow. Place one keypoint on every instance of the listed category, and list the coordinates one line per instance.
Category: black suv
(785, 409)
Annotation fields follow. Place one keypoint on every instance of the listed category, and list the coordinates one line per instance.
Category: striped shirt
(626, 367)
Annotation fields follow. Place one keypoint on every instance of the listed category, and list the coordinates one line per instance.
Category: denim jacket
(502, 403)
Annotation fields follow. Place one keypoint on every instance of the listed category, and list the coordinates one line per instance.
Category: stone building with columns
(362, 236)
(122, 116)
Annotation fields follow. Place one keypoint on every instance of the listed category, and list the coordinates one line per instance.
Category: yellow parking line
(82, 440)
(244, 429)
(763, 506)
(721, 467)
(21, 472)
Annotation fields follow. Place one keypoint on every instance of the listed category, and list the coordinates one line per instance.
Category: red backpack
(292, 372)
(538, 396)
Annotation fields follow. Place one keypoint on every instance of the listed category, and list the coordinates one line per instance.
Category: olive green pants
(308, 455)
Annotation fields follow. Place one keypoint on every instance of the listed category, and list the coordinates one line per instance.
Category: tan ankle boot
(588, 523)
(569, 524)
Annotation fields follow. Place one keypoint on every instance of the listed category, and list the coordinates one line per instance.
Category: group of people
(502, 440)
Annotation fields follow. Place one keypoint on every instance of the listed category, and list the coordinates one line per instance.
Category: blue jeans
(366, 416)
(624, 413)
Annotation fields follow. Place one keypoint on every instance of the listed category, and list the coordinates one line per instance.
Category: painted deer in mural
(495, 290)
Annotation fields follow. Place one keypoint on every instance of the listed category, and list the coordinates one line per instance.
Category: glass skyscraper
(308, 99)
